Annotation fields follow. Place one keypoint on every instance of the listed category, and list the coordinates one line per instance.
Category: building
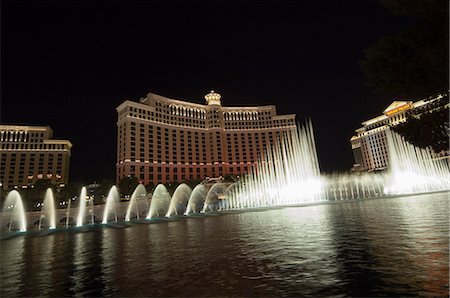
(369, 144)
(164, 140)
(28, 154)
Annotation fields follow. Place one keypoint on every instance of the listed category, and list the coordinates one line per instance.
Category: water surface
(382, 247)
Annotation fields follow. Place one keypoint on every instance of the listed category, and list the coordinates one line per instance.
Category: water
(287, 173)
(197, 199)
(179, 200)
(13, 206)
(111, 205)
(160, 202)
(48, 217)
(138, 195)
(413, 169)
(82, 209)
(393, 247)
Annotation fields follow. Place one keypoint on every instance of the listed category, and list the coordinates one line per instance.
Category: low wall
(32, 218)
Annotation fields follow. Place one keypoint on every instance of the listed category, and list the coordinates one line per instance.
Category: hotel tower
(369, 144)
(29, 154)
(161, 140)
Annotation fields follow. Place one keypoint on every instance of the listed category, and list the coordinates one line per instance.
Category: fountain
(91, 210)
(48, 210)
(111, 205)
(287, 173)
(354, 186)
(68, 213)
(139, 193)
(14, 207)
(413, 169)
(215, 194)
(179, 200)
(160, 202)
(196, 200)
(82, 207)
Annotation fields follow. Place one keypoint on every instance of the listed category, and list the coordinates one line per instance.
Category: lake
(379, 247)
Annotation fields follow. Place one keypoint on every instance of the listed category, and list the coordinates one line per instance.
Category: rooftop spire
(213, 98)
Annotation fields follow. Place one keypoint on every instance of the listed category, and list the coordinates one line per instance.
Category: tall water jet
(139, 194)
(196, 200)
(91, 205)
(228, 195)
(82, 207)
(14, 206)
(48, 211)
(68, 213)
(354, 186)
(160, 202)
(111, 205)
(287, 173)
(413, 169)
(179, 200)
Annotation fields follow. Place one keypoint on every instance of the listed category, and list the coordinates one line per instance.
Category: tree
(105, 186)
(429, 129)
(71, 190)
(229, 178)
(193, 183)
(171, 187)
(150, 187)
(35, 195)
(127, 185)
(414, 62)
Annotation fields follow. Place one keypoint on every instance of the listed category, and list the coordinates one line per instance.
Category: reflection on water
(389, 247)
(86, 276)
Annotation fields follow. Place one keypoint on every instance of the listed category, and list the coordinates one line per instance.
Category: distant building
(369, 143)
(28, 154)
(166, 140)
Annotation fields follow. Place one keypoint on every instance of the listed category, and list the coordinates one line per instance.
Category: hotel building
(28, 153)
(164, 140)
(369, 144)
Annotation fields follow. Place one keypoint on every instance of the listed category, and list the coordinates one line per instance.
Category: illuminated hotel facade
(29, 154)
(369, 144)
(162, 140)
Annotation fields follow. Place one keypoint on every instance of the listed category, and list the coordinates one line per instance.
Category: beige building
(167, 140)
(369, 144)
(28, 153)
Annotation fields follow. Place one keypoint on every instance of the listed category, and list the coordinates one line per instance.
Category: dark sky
(70, 64)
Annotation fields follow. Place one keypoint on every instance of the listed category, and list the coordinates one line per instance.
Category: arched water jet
(48, 212)
(14, 205)
(196, 200)
(140, 193)
(111, 205)
(215, 193)
(82, 207)
(179, 200)
(160, 202)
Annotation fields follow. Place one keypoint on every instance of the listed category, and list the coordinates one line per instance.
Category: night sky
(70, 64)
